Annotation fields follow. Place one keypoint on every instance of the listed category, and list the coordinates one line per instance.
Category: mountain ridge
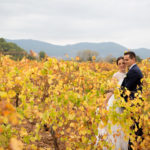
(103, 48)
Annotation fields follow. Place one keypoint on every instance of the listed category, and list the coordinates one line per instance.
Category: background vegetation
(51, 104)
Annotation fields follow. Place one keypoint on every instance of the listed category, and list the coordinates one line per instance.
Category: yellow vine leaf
(23, 132)
(15, 144)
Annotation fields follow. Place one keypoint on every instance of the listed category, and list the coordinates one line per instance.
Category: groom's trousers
(138, 133)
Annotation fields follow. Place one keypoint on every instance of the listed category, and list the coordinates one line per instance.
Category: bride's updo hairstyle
(119, 58)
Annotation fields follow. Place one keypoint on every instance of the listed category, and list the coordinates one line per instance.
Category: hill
(9, 48)
(104, 49)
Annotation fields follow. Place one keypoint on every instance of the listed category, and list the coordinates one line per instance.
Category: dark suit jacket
(132, 82)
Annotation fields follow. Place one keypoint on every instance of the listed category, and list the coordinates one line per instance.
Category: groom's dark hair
(131, 54)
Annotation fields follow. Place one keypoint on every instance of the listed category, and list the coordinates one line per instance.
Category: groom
(132, 82)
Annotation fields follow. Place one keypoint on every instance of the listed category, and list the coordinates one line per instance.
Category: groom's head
(129, 58)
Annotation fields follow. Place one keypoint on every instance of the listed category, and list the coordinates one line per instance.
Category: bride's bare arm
(110, 92)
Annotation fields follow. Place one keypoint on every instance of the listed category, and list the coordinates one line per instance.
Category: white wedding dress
(118, 141)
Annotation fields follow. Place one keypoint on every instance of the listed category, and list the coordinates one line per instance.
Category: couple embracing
(130, 81)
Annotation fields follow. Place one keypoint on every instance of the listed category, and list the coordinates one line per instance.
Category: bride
(117, 141)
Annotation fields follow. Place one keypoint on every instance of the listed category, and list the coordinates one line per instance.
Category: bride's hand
(105, 104)
(108, 97)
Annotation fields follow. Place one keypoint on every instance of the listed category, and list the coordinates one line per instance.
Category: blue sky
(126, 22)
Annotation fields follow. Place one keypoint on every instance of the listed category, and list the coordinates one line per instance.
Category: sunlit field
(51, 104)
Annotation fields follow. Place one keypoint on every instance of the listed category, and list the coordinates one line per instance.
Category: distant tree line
(86, 55)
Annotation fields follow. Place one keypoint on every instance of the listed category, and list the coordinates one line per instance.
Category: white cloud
(126, 22)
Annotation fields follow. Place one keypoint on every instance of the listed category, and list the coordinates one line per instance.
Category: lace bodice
(119, 76)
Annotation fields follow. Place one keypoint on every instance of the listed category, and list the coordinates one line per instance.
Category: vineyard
(51, 105)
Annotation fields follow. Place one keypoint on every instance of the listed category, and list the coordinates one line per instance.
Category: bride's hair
(119, 58)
